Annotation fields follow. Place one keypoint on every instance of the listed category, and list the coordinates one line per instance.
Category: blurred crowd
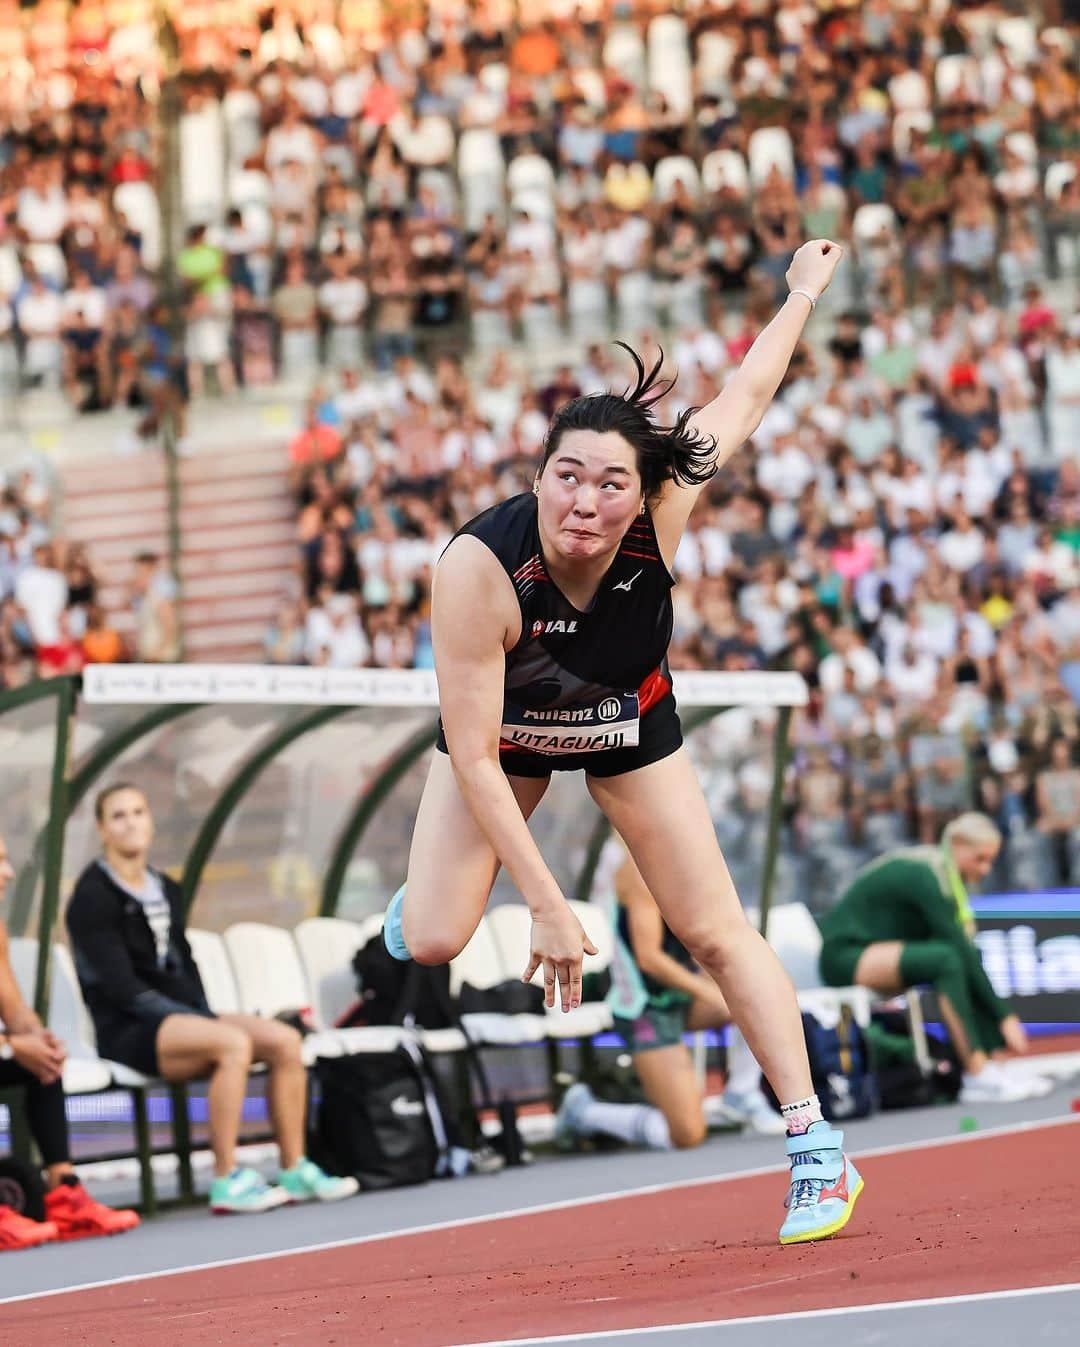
(53, 619)
(363, 181)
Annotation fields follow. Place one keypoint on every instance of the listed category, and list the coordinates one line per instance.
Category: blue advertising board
(1030, 948)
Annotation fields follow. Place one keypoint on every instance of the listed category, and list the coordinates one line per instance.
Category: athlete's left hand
(559, 942)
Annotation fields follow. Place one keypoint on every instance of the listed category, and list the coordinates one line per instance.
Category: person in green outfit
(905, 921)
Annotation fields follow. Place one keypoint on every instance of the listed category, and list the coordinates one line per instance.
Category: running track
(983, 1216)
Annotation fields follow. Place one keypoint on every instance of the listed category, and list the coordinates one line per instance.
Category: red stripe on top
(653, 690)
(642, 556)
(532, 561)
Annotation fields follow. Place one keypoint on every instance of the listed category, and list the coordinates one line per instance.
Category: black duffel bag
(378, 1118)
(512, 997)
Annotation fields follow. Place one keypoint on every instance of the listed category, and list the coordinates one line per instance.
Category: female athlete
(551, 618)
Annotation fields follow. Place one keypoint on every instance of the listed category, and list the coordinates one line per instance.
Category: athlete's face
(126, 827)
(589, 493)
(974, 860)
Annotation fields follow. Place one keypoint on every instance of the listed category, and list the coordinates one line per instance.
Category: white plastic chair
(723, 169)
(511, 925)
(326, 946)
(793, 934)
(83, 1074)
(270, 979)
(673, 169)
(770, 147)
(212, 960)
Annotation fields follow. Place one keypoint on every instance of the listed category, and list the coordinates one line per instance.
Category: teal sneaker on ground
(824, 1186)
(392, 937)
(245, 1192)
(306, 1182)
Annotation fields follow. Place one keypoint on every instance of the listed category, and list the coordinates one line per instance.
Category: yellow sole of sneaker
(827, 1231)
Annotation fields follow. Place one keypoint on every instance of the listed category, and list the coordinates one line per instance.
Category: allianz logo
(1019, 965)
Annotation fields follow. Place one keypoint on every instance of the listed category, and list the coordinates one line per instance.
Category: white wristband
(806, 295)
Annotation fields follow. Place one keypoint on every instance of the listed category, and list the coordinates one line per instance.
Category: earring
(642, 510)
(536, 488)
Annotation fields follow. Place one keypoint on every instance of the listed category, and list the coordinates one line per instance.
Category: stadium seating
(270, 981)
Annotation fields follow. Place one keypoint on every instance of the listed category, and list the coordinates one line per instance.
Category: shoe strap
(827, 1170)
(822, 1139)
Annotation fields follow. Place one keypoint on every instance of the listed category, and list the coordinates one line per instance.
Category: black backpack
(379, 1118)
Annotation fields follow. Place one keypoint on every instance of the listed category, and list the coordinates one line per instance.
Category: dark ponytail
(664, 454)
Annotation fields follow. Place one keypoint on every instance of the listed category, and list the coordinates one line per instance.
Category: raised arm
(474, 618)
(735, 413)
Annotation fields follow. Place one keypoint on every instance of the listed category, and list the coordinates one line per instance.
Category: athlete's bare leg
(670, 1083)
(451, 865)
(661, 814)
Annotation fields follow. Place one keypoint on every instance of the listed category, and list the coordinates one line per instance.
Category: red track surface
(987, 1215)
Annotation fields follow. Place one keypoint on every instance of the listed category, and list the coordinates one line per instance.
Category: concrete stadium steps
(237, 524)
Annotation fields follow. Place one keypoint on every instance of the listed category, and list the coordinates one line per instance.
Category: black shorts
(659, 735)
(134, 1042)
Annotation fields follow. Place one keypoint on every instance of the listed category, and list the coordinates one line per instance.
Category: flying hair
(675, 453)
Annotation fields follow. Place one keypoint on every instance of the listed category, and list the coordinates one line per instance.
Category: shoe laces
(804, 1193)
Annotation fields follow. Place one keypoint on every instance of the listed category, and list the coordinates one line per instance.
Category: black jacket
(116, 958)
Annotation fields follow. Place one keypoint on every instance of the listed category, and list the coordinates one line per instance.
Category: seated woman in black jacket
(126, 922)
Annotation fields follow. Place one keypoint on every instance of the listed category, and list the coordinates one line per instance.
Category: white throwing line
(800, 1315)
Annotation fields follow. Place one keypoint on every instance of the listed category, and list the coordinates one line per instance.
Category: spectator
(32, 1057)
(1057, 790)
(156, 611)
(907, 920)
(42, 593)
(126, 924)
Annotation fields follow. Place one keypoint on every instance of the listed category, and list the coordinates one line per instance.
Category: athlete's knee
(283, 1046)
(688, 1132)
(929, 961)
(434, 949)
(231, 1047)
(714, 946)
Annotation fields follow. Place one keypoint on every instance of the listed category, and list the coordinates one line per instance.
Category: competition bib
(593, 727)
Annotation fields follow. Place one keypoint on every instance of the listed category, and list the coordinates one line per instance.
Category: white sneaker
(993, 1086)
(568, 1120)
(752, 1110)
(1038, 1087)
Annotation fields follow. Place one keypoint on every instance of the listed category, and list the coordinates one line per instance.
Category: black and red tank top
(578, 681)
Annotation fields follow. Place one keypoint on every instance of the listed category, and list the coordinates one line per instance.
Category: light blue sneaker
(392, 937)
(824, 1186)
(568, 1121)
(306, 1182)
(245, 1192)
